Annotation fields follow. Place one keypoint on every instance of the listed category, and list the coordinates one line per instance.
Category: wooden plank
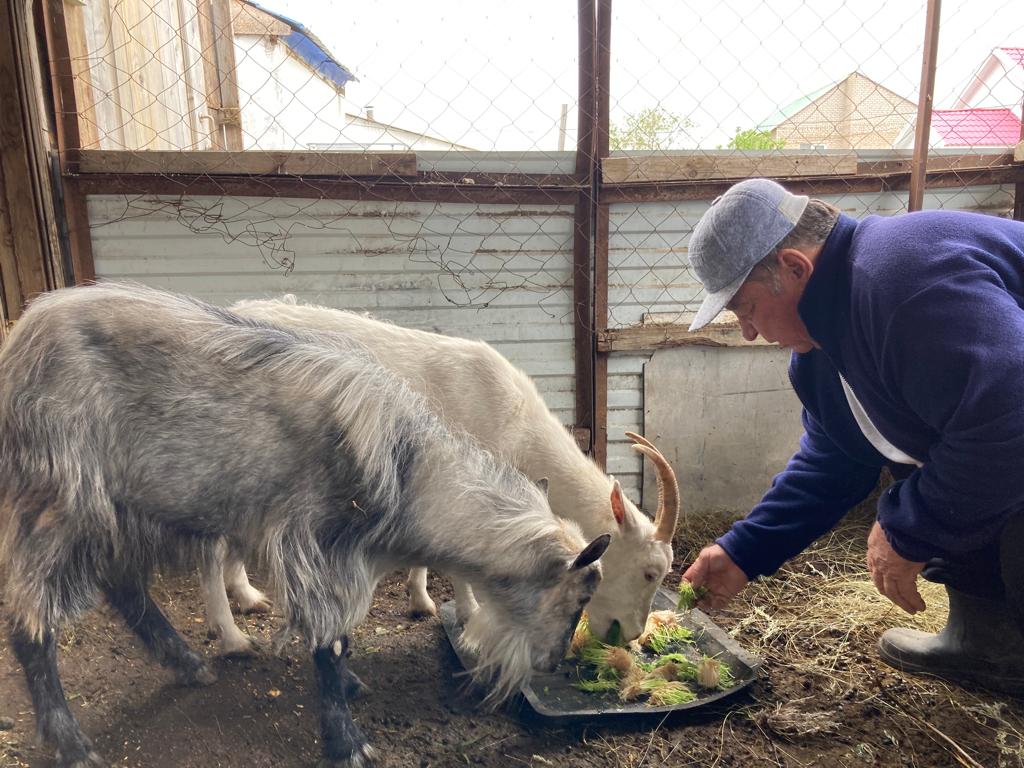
(926, 95)
(671, 191)
(621, 170)
(281, 162)
(318, 188)
(27, 244)
(81, 67)
(651, 337)
(211, 80)
(230, 116)
(63, 82)
(79, 232)
(936, 163)
(1018, 151)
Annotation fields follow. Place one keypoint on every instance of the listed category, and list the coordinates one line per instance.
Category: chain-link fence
(444, 164)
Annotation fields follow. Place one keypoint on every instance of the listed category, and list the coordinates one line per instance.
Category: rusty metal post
(583, 231)
(604, 36)
(924, 106)
(1018, 188)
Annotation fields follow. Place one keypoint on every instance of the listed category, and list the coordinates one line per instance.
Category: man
(908, 351)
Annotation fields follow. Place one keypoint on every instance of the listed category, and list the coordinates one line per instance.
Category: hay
(820, 617)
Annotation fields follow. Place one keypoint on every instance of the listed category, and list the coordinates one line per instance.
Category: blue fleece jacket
(922, 314)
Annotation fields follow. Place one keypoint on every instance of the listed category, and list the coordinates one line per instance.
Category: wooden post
(30, 260)
(583, 230)
(220, 74)
(68, 140)
(924, 106)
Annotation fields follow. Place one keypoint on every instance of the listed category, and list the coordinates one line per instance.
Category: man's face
(766, 306)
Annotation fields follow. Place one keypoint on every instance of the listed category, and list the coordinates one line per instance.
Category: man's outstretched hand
(715, 571)
(894, 577)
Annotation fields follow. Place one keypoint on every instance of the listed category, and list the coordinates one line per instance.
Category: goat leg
(344, 745)
(56, 725)
(146, 619)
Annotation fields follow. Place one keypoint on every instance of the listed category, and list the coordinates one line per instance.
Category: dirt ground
(822, 700)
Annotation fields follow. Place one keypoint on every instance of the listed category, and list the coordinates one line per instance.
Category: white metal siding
(512, 263)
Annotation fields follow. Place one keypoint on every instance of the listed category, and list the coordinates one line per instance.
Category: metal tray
(553, 696)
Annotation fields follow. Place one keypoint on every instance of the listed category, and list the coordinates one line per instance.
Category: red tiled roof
(976, 127)
(1015, 54)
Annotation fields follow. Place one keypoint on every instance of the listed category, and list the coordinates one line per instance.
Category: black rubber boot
(981, 644)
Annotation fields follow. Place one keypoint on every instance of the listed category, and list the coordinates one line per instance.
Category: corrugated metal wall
(501, 273)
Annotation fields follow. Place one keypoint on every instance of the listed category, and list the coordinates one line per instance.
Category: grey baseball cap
(739, 229)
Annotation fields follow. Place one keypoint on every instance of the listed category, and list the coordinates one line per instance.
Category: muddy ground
(847, 711)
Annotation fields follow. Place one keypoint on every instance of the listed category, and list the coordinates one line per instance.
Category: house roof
(792, 108)
(1015, 55)
(976, 127)
(308, 48)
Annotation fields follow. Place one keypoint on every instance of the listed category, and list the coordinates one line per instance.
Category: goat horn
(640, 440)
(668, 489)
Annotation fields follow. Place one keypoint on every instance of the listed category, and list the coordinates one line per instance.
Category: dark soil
(419, 712)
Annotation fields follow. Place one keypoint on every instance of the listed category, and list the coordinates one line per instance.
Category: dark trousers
(995, 572)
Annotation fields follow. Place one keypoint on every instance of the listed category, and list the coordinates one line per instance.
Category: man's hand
(715, 570)
(894, 577)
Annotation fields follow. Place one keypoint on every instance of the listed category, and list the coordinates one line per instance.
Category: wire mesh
(793, 89)
(478, 239)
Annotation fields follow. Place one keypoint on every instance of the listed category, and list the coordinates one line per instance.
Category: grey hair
(813, 228)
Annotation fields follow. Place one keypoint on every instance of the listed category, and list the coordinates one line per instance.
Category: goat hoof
(197, 677)
(253, 602)
(90, 759)
(240, 645)
(419, 609)
(362, 756)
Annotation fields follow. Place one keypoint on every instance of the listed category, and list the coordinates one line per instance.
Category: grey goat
(141, 429)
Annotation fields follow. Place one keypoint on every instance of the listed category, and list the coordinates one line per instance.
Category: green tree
(650, 128)
(755, 139)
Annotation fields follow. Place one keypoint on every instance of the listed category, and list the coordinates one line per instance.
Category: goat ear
(618, 505)
(543, 485)
(592, 552)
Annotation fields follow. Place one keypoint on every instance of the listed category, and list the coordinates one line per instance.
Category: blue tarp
(307, 47)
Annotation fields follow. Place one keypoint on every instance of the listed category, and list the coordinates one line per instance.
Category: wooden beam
(1018, 151)
(619, 170)
(319, 188)
(24, 242)
(966, 162)
(69, 140)
(230, 116)
(822, 185)
(924, 105)
(643, 338)
(256, 162)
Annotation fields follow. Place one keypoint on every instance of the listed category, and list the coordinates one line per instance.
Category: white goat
(477, 390)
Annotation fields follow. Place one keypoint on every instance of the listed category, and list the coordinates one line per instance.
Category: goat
(142, 429)
(477, 390)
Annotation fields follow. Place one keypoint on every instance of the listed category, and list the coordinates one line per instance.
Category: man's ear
(796, 264)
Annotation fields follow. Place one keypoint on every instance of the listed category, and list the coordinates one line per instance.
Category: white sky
(495, 74)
